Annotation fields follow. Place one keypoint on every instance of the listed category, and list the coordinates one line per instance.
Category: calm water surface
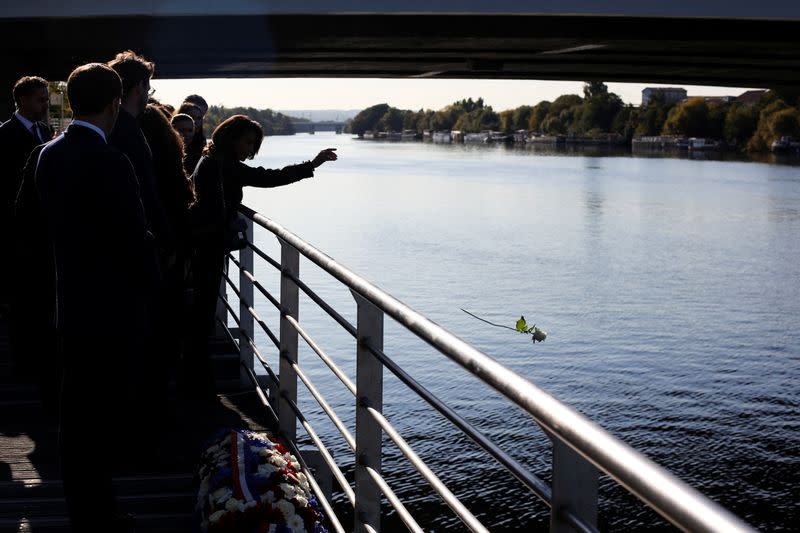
(670, 290)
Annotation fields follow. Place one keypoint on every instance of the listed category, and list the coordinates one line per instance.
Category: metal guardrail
(581, 448)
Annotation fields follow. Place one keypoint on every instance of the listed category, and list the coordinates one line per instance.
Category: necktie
(37, 132)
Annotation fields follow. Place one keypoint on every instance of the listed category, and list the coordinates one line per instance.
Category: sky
(350, 93)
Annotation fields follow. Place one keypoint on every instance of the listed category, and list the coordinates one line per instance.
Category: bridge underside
(740, 53)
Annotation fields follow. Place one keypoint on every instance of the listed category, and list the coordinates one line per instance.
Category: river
(670, 290)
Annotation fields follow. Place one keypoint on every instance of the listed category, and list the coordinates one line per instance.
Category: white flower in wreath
(266, 469)
(289, 490)
(221, 495)
(286, 508)
(302, 480)
(278, 461)
(268, 497)
(301, 501)
(296, 524)
(234, 505)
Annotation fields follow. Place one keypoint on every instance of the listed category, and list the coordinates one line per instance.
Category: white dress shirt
(29, 126)
(91, 127)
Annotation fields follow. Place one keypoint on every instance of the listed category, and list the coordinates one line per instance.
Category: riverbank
(590, 147)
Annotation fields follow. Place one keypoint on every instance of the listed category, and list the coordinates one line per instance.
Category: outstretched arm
(264, 177)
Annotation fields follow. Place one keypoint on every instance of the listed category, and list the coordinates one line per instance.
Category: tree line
(599, 113)
(274, 123)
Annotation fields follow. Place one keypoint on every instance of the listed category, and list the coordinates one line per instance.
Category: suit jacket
(34, 289)
(105, 262)
(128, 138)
(16, 144)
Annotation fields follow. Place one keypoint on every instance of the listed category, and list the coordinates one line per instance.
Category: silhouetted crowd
(115, 234)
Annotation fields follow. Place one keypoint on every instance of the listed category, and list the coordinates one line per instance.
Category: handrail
(675, 500)
(534, 484)
(252, 311)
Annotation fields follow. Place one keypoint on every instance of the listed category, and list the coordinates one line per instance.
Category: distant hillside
(319, 115)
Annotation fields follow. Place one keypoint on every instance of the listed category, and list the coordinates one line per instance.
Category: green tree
(688, 118)
(717, 113)
(741, 122)
(506, 120)
(765, 131)
(521, 117)
(652, 117)
(564, 102)
(599, 108)
(271, 122)
(368, 119)
(625, 122)
(552, 125)
(538, 114)
(392, 120)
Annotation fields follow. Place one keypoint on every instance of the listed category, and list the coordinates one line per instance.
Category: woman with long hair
(219, 178)
(176, 195)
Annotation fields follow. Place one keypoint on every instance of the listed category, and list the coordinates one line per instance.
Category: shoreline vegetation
(599, 118)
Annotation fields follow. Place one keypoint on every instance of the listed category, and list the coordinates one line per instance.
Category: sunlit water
(670, 290)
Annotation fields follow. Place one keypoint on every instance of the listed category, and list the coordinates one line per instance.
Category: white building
(671, 94)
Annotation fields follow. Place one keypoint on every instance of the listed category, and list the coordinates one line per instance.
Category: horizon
(347, 94)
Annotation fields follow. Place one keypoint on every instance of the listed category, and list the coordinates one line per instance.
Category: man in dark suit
(105, 267)
(152, 372)
(127, 137)
(18, 137)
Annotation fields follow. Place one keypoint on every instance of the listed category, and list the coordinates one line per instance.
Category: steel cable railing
(572, 433)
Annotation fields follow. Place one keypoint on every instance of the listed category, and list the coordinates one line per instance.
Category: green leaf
(522, 326)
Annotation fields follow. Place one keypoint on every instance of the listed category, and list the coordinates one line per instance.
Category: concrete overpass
(748, 44)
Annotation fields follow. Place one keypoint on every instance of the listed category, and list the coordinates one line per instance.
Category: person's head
(237, 137)
(31, 97)
(199, 101)
(184, 125)
(94, 92)
(175, 188)
(135, 72)
(194, 111)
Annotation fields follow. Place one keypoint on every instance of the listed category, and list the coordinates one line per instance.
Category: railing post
(245, 318)
(369, 393)
(290, 264)
(574, 488)
(222, 311)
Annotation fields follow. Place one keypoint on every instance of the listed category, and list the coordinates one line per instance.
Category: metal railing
(581, 448)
